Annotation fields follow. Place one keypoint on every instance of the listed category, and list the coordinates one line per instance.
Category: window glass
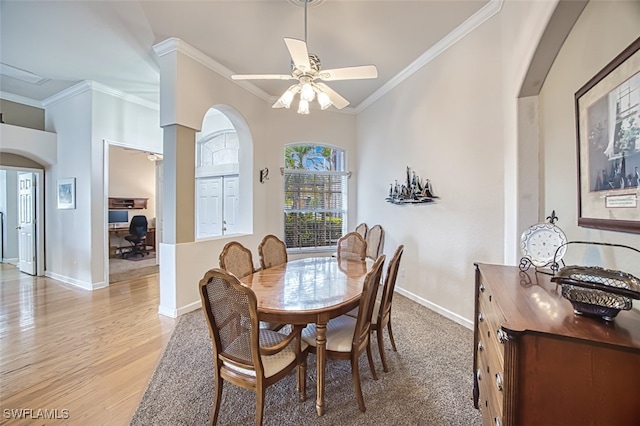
(315, 196)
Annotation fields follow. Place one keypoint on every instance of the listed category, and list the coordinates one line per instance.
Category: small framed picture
(67, 193)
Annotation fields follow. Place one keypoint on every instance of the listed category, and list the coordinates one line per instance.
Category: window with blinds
(315, 196)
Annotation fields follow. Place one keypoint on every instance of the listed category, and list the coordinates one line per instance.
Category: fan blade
(338, 101)
(261, 77)
(350, 73)
(299, 54)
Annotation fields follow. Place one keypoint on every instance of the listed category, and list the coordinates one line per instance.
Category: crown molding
(87, 85)
(20, 99)
(67, 93)
(99, 87)
(477, 19)
(174, 44)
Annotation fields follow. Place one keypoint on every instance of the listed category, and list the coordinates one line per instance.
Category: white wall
(454, 122)
(132, 175)
(36, 145)
(445, 123)
(68, 250)
(603, 30)
(459, 122)
(86, 117)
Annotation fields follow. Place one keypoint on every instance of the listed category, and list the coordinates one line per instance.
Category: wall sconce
(264, 175)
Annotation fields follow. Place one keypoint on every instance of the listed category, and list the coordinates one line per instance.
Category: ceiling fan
(306, 68)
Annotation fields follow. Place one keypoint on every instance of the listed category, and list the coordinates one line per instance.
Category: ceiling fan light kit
(306, 68)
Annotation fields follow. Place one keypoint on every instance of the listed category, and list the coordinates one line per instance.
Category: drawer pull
(480, 346)
(480, 317)
(479, 374)
(502, 335)
(499, 381)
(482, 289)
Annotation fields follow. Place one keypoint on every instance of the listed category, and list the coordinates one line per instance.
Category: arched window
(221, 157)
(315, 196)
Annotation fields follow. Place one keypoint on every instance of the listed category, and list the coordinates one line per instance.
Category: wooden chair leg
(383, 357)
(259, 405)
(355, 374)
(393, 342)
(217, 399)
(303, 380)
(370, 357)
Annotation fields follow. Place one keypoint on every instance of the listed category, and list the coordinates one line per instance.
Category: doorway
(22, 218)
(132, 174)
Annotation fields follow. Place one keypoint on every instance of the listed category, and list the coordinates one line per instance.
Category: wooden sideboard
(536, 362)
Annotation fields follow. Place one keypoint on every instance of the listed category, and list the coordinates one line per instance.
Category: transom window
(218, 148)
(315, 196)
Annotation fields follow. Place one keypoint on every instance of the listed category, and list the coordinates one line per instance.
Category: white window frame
(343, 202)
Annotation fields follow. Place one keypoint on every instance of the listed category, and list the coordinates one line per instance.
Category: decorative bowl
(593, 290)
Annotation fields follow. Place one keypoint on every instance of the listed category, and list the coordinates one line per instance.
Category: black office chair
(137, 236)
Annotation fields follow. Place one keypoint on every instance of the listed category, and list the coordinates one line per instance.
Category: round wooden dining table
(310, 290)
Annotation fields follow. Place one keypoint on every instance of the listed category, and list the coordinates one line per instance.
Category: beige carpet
(430, 381)
(123, 269)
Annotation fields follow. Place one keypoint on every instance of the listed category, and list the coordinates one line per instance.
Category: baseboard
(436, 308)
(189, 308)
(174, 313)
(167, 312)
(11, 260)
(74, 282)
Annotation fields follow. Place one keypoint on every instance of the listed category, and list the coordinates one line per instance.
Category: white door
(231, 197)
(26, 223)
(209, 207)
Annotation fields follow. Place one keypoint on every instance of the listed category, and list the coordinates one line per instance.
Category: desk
(311, 290)
(117, 241)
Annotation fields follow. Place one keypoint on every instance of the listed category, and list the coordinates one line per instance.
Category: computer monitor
(118, 217)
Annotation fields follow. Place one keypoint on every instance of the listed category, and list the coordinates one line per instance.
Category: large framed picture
(67, 193)
(608, 136)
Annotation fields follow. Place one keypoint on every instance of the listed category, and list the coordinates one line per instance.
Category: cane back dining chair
(352, 246)
(382, 308)
(272, 251)
(243, 353)
(348, 337)
(375, 241)
(362, 230)
(237, 259)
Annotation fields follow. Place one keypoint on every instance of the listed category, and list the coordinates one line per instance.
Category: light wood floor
(89, 352)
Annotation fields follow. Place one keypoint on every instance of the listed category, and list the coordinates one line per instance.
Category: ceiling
(111, 42)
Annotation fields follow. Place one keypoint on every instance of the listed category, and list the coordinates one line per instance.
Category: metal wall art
(413, 191)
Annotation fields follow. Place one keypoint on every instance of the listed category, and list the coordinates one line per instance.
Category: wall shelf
(127, 203)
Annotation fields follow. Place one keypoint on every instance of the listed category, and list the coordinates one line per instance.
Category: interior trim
(478, 18)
